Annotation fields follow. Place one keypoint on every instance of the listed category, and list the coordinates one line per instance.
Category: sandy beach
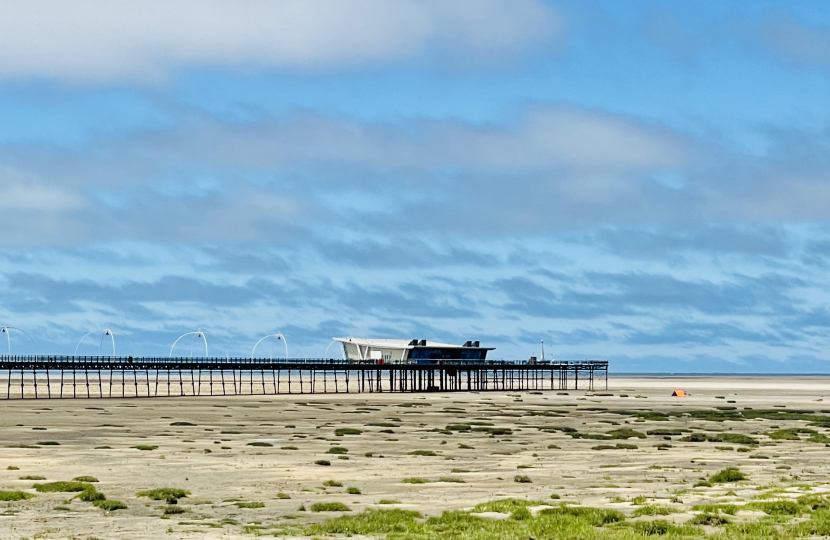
(277, 452)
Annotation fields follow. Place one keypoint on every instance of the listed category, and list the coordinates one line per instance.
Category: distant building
(409, 350)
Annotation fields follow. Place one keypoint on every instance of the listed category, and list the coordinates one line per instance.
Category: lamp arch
(274, 337)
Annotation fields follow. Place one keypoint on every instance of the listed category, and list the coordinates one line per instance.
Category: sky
(645, 182)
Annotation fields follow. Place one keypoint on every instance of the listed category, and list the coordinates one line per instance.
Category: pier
(55, 377)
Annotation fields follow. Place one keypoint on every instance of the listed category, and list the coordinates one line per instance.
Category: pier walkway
(39, 377)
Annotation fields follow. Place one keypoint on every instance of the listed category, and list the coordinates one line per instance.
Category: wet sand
(204, 445)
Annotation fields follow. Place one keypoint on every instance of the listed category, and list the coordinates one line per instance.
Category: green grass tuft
(62, 487)
(164, 494)
(109, 505)
(730, 474)
(329, 507)
(347, 431)
(85, 479)
(415, 481)
(11, 496)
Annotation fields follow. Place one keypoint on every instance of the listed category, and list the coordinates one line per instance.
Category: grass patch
(389, 501)
(90, 479)
(777, 508)
(250, 505)
(49, 443)
(146, 447)
(164, 494)
(90, 494)
(353, 491)
(372, 522)
(506, 506)
(422, 453)
(730, 474)
(332, 483)
(32, 477)
(729, 509)
(288, 448)
(415, 481)
(282, 495)
(62, 487)
(172, 509)
(110, 506)
(452, 480)
(712, 520)
(653, 510)
(347, 431)
(337, 450)
(626, 433)
(259, 443)
(12, 496)
(522, 479)
(323, 462)
(330, 507)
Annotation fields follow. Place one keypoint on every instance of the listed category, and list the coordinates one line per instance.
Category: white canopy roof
(390, 343)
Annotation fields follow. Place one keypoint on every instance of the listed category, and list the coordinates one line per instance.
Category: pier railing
(50, 376)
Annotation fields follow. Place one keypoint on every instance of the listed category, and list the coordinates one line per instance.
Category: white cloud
(115, 40)
(22, 192)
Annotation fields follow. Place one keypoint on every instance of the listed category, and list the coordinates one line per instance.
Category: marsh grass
(777, 508)
(90, 479)
(110, 505)
(329, 507)
(164, 494)
(172, 509)
(254, 504)
(13, 496)
(729, 509)
(727, 475)
(353, 491)
(415, 481)
(337, 450)
(347, 431)
(63, 487)
(282, 495)
(332, 483)
(32, 477)
(653, 510)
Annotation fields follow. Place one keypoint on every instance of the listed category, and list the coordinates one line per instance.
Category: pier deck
(39, 377)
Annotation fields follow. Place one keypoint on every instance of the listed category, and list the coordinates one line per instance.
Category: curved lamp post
(5, 330)
(274, 337)
(325, 354)
(196, 334)
(104, 333)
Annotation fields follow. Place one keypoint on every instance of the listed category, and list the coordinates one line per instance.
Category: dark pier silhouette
(43, 377)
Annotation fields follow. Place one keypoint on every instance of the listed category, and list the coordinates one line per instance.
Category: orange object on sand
(678, 393)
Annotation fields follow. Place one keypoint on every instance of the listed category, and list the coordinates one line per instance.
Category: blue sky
(646, 182)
